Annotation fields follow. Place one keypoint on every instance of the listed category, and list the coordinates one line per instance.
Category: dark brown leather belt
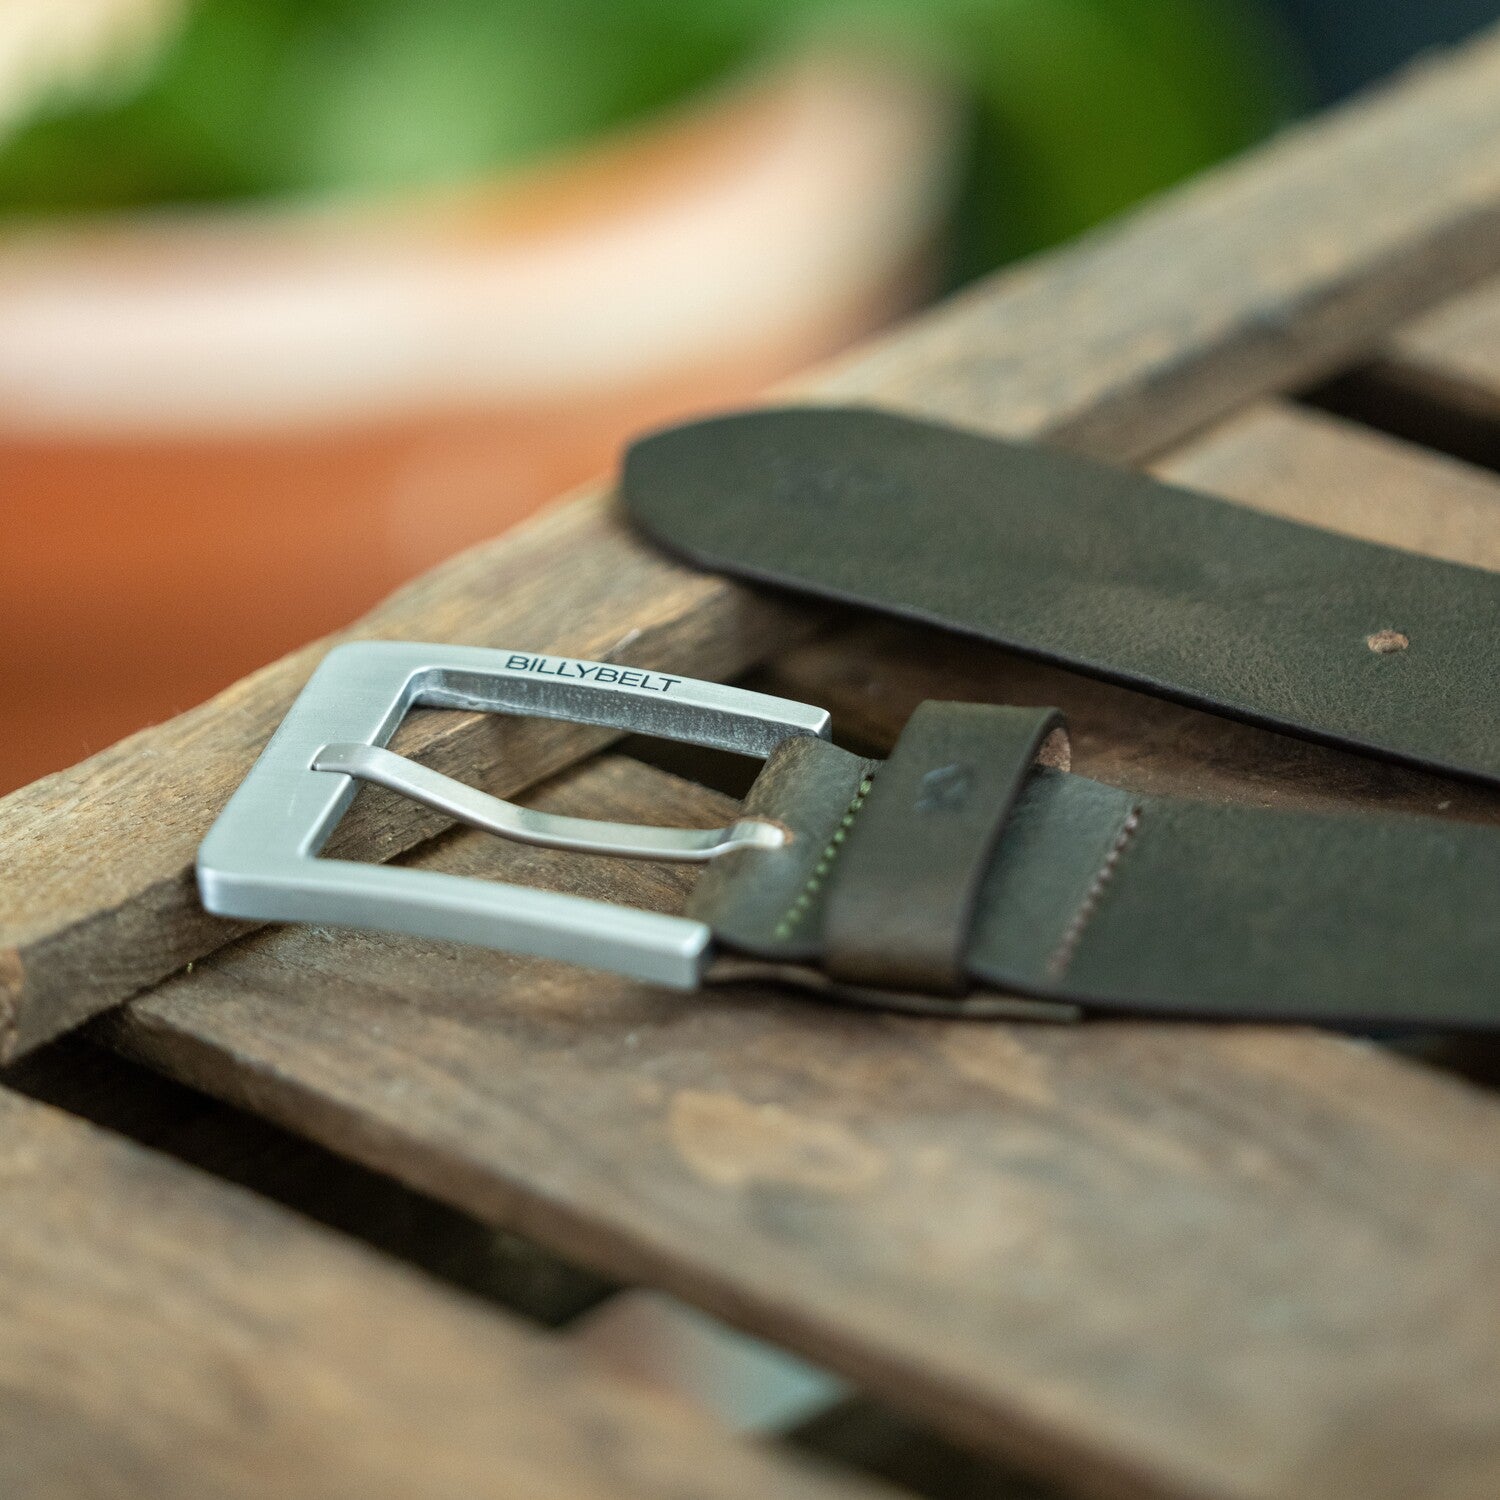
(971, 864)
(1098, 569)
(970, 874)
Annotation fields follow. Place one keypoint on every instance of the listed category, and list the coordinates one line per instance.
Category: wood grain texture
(1277, 458)
(1144, 1260)
(1288, 461)
(107, 1090)
(167, 1337)
(1265, 273)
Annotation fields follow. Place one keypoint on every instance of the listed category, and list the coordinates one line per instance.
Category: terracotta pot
(223, 433)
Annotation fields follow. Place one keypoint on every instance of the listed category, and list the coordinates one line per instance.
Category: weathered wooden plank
(1265, 273)
(1275, 457)
(1293, 462)
(1158, 1261)
(99, 1086)
(168, 1336)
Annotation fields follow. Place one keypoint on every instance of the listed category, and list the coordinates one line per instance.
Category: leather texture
(1123, 904)
(1106, 571)
(899, 914)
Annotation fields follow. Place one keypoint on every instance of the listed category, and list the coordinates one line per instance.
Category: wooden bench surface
(1134, 1260)
(166, 1335)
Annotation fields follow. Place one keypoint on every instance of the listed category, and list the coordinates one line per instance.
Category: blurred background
(298, 297)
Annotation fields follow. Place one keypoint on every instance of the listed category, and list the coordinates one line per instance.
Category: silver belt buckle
(261, 859)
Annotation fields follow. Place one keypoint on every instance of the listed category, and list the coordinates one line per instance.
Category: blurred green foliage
(1080, 107)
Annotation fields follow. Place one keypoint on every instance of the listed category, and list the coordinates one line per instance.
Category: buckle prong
(527, 825)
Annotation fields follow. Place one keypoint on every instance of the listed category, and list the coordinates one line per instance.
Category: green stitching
(803, 904)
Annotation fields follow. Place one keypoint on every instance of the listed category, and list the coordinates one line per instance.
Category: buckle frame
(261, 859)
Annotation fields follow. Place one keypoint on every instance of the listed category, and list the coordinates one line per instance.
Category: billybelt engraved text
(590, 671)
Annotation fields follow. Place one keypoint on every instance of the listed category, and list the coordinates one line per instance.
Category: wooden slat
(1160, 1261)
(1305, 466)
(1278, 458)
(99, 1086)
(166, 1337)
(1267, 272)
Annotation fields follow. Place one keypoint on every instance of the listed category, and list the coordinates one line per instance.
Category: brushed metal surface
(260, 860)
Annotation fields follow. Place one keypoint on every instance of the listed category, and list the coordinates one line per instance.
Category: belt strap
(1106, 571)
(1095, 897)
(970, 861)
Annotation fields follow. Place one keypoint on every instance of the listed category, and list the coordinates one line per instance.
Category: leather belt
(969, 874)
(1090, 896)
(1104, 571)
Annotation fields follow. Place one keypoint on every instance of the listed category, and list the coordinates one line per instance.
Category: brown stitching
(801, 906)
(1066, 950)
